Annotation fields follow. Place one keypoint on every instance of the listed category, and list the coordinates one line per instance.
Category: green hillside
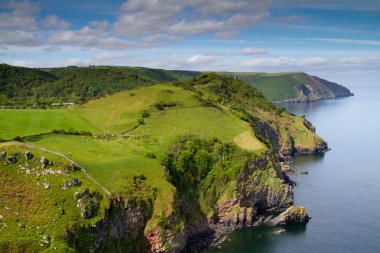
(292, 87)
(42, 87)
(171, 154)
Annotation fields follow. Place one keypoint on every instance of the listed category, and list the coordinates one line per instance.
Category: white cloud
(201, 59)
(18, 16)
(55, 23)
(20, 38)
(349, 41)
(253, 51)
(88, 37)
(220, 17)
(312, 64)
(289, 19)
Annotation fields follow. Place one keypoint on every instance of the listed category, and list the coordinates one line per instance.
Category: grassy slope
(41, 87)
(124, 156)
(22, 122)
(285, 86)
(113, 159)
(29, 211)
(239, 96)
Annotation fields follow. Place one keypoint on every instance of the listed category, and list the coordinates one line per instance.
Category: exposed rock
(45, 240)
(46, 186)
(3, 154)
(294, 214)
(44, 162)
(11, 159)
(123, 223)
(28, 155)
(86, 202)
(73, 182)
(279, 231)
(1, 217)
(286, 168)
(304, 172)
(74, 167)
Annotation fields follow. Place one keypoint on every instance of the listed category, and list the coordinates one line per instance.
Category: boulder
(44, 162)
(28, 155)
(73, 167)
(73, 182)
(11, 159)
(86, 202)
(294, 214)
(3, 154)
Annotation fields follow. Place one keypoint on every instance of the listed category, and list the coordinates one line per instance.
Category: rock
(46, 186)
(86, 202)
(285, 168)
(45, 239)
(74, 167)
(73, 182)
(1, 217)
(279, 231)
(304, 172)
(28, 155)
(44, 162)
(294, 214)
(11, 159)
(3, 155)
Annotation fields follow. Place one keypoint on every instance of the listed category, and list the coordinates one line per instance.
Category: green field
(206, 122)
(112, 160)
(23, 122)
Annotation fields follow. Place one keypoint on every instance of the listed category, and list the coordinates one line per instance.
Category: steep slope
(42, 87)
(293, 87)
(17, 83)
(184, 161)
(42, 195)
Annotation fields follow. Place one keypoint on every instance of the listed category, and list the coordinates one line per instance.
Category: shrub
(151, 155)
(163, 105)
(145, 114)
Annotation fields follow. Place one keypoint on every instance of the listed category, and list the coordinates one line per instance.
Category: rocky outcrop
(87, 202)
(120, 230)
(294, 214)
(259, 188)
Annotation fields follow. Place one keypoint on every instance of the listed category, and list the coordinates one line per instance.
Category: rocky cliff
(293, 87)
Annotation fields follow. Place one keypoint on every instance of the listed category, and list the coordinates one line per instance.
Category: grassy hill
(41, 87)
(179, 151)
(34, 209)
(292, 87)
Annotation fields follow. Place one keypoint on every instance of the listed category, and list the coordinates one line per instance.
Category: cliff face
(293, 87)
(120, 230)
(219, 188)
(314, 88)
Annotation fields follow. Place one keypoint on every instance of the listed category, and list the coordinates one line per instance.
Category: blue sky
(338, 39)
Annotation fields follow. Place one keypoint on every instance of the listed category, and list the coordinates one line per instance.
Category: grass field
(23, 122)
(112, 160)
(121, 111)
(29, 211)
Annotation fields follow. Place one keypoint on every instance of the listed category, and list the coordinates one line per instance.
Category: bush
(163, 105)
(151, 155)
(145, 114)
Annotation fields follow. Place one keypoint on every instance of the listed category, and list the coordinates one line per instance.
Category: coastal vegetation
(165, 163)
(292, 87)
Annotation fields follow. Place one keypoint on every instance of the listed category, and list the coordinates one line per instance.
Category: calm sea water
(341, 191)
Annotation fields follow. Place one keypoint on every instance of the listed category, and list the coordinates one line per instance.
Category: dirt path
(71, 161)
